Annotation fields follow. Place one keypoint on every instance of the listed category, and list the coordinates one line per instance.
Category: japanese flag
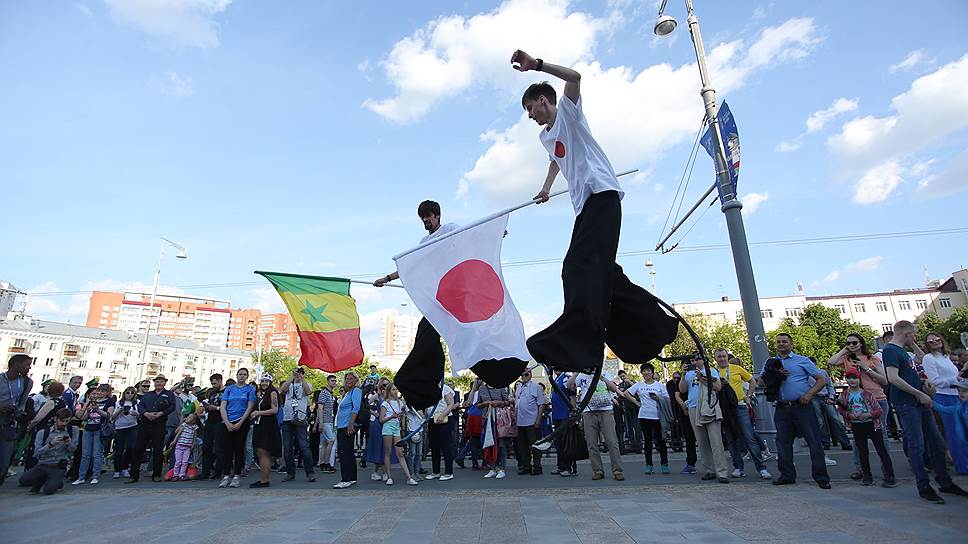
(457, 285)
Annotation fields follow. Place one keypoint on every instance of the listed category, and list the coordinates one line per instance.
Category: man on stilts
(602, 306)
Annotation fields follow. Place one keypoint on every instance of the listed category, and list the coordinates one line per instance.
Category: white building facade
(877, 310)
(62, 350)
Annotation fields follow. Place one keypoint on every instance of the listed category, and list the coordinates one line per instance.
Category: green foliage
(950, 329)
(729, 336)
(281, 366)
(820, 332)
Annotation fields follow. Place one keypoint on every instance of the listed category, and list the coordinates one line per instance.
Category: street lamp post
(731, 208)
(182, 254)
(651, 268)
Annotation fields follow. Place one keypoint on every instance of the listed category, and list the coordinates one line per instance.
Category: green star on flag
(316, 313)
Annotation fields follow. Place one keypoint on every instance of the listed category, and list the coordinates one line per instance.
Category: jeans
(91, 449)
(290, 431)
(6, 453)
(885, 410)
(125, 441)
(347, 457)
(738, 445)
(528, 458)
(835, 429)
(600, 425)
(792, 420)
(440, 445)
(48, 477)
(957, 446)
(414, 454)
(862, 431)
(921, 435)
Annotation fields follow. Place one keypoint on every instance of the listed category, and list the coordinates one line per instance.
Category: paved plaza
(520, 509)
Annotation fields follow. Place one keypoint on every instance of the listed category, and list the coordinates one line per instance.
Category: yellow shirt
(736, 376)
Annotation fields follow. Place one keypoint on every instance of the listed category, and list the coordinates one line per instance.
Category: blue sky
(300, 137)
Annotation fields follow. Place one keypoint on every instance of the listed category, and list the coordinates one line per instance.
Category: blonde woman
(392, 411)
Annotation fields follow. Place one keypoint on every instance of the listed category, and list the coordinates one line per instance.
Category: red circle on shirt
(471, 291)
(559, 149)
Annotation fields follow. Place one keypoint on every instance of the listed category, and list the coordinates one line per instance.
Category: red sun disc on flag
(471, 291)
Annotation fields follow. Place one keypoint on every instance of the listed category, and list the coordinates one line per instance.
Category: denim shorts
(327, 434)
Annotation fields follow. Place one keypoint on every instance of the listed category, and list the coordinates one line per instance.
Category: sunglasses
(932, 340)
(853, 343)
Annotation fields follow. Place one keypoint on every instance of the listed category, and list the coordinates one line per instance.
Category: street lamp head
(181, 255)
(648, 263)
(665, 25)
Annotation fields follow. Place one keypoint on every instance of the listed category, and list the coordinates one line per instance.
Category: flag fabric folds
(458, 286)
(326, 317)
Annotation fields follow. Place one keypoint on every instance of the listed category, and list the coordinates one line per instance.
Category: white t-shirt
(392, 407)
(649, 408)
(441, 230)
(442, 405)
(941, 372)
(582, 161)
(602, 398)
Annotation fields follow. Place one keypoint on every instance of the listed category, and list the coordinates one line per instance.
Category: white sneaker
(116, 476)
(224, 483)
(765, 474)
(830, 462)
(737, 473)
(94, 481)
(492, 473)
(411, 481)
(376, 477)
(432, 476)
(343, 485)
(385, 476)
(500, 474)
(445, 477)
(389, 481)
(235, 482)
(125, 473)
(78, 481)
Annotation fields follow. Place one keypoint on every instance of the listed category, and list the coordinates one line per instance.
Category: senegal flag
(325, 314)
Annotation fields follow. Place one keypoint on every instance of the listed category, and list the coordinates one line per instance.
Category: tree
(950, 329)
(281, 365)
(720, 334)
(930, 322)
(820, 332)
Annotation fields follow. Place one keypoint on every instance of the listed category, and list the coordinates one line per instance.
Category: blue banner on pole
(730, 135)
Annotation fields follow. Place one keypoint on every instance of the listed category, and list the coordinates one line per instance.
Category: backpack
(363, 416)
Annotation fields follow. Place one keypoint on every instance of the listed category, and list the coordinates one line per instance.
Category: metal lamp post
(731, 208)
(182, 254)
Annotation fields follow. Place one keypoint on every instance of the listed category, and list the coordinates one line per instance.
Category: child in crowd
(183, 443)
(392, 411)
(862, 413)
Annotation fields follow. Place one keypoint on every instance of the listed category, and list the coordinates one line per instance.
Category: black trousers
(125, 442)
(652, 432)
(562, 463)
(528, 458)
(347, 457)
(618, 414)
(689, 435)
(149, 433)
(864, 430)
(441, 445)
(233, 449)
(212, 438)
(601, 305)
(50, 478)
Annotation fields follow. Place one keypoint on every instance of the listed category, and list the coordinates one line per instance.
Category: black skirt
(265, 435)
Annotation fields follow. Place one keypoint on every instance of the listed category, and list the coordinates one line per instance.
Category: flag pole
(489, 218)
(370, 283)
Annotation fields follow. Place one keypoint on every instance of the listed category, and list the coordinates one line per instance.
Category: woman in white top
(648, 391)
(392, 412)
(942, 373)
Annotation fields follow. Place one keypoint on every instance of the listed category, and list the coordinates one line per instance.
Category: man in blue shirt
(913, 407)
(560, 409)
(795, 415)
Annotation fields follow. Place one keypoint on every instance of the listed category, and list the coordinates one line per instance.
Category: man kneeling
(53, 447)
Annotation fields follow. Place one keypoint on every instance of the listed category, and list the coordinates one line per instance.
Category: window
(859, 307)
(49, 362)
(921, 304)
(840, 308)
(904, 304)
(98, 364)
(82, 364)
(945, 302)
(85, 349)
(36, 344)
(53, 346)
(100, 351)
(46, 377)
(793, 312)
(881, 306)
(886, 327)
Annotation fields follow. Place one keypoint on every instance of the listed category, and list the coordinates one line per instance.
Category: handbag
(107, 429)
(573, 444)
(507, 423)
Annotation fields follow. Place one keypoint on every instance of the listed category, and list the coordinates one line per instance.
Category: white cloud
(832, 277)
(174, 84)
(453, 53)
(875, 148)
(820, 118)
(878, 183)
(751, 202)
(370, 324)
(952, 180)
(188, 23)
(266, 300)
(51, 305)
(869, 264)
(663, 96)
(789, 146)
(913, 59)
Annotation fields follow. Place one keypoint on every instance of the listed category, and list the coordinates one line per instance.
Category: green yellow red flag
(326, 316)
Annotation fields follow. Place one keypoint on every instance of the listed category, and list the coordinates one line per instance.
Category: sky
(300, 137)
